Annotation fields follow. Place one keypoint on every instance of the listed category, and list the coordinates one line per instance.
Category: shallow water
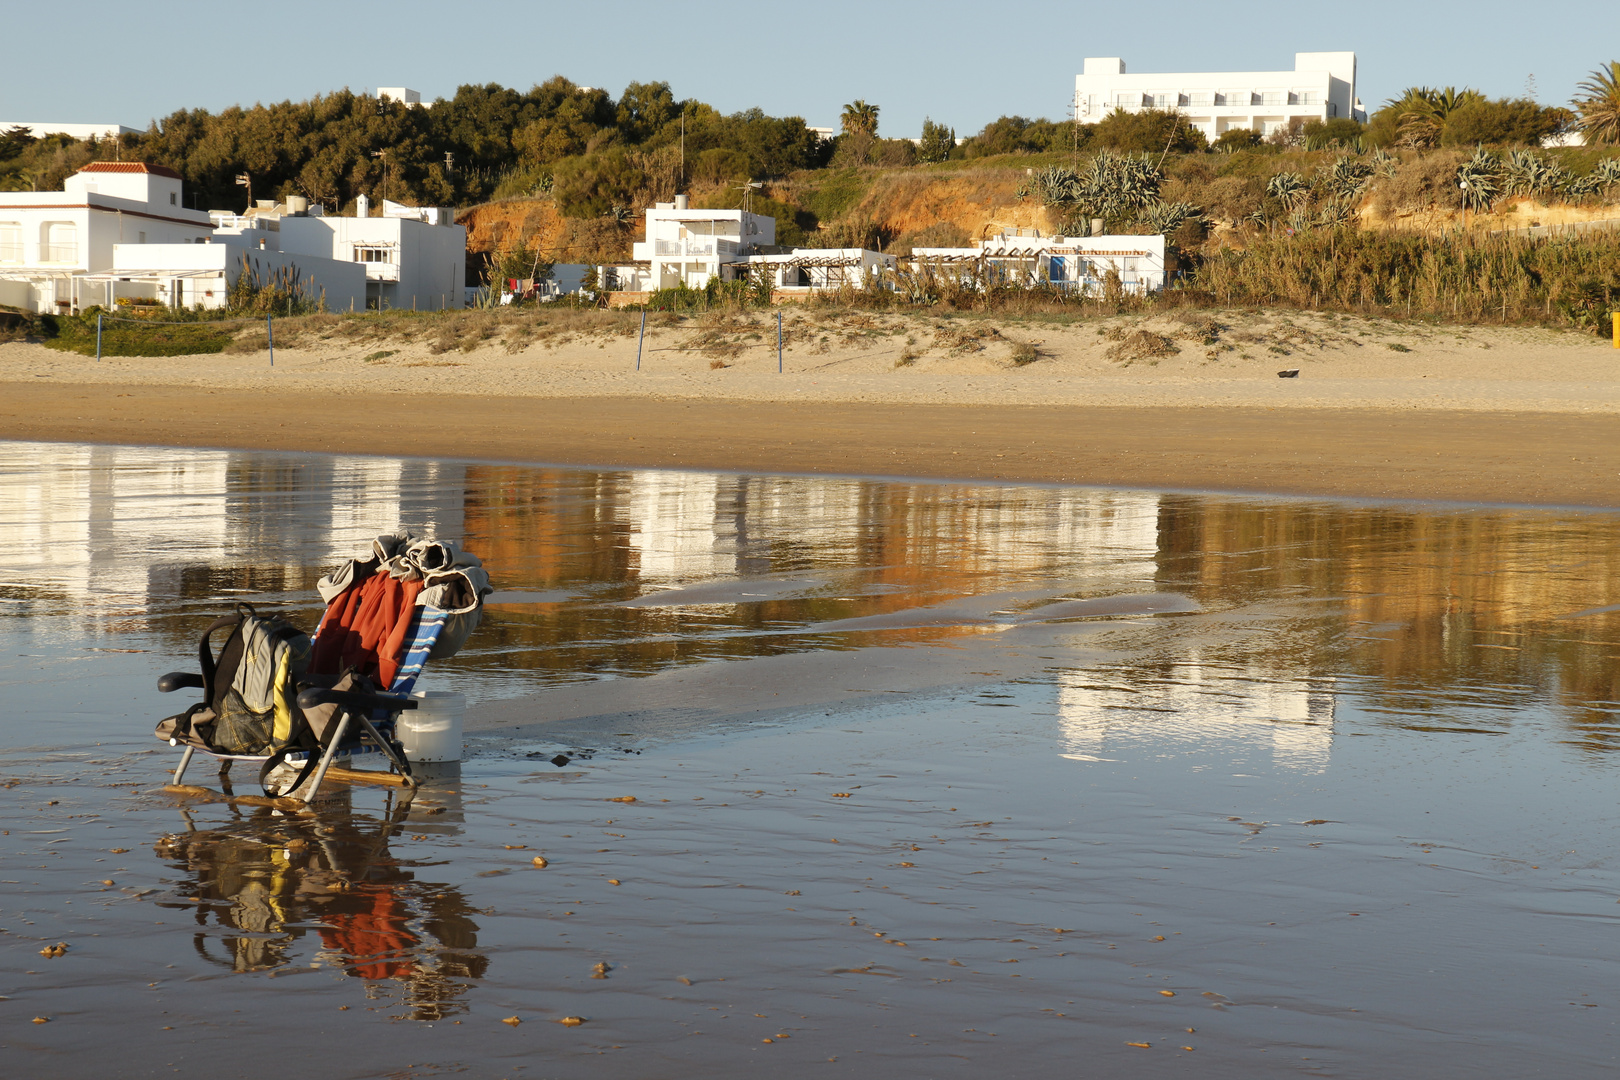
(1339, 777)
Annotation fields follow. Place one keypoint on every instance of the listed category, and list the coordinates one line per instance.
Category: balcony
(58, 253)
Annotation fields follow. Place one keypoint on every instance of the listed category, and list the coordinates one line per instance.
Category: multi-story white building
(51, 239)
(414, 257)
(1322, 86)
(688, 246)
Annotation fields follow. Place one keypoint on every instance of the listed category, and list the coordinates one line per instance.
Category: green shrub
(77, 334)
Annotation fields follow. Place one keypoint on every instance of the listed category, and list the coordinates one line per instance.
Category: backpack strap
(205, 652)
(311, 760)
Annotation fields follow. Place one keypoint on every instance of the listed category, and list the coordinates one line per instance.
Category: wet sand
(1546, 458)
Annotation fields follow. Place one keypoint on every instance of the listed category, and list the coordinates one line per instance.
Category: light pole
(1463, 185)
(384, 155)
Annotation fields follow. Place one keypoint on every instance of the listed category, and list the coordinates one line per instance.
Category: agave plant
(1528, 173)
(1117, 186)
(1599, 106)
(1053, 186)
(1165, 218)
(1335, 213)
(1347, 177)
(1480, 180)
(1384, 162)
(1290, 189)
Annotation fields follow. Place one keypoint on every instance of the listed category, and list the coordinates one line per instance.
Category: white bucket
(432, 730)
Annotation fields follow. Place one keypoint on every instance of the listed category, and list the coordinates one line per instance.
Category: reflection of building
(1192, 707)
(125, 526)
(675, 527)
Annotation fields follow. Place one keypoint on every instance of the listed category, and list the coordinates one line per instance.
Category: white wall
(429, 262)
(342, 283)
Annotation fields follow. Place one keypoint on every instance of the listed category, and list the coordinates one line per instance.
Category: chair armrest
(354, 700)
(179, 680)
(327, 681)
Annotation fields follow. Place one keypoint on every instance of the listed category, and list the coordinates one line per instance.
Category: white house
(50, 239)
(1084, 263)
(687, 246)
(414, 257)
(808, 269)
(41, 128)
(201, 275)
(1322, 86)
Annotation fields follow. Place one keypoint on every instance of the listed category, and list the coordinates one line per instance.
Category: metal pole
(1615, 317)
(643, 334)
(779, 343)
(98, 336)
(270, 339)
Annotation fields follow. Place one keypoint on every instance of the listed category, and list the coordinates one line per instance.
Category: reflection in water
(259, 886)
(1416, 611)
(1198, 707)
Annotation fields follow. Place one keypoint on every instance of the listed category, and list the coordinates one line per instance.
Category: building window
(174, 200)
(1310, 97)
(60, 242)
(142, 239)
(1200, 99)
(373, 254)
(11, 242)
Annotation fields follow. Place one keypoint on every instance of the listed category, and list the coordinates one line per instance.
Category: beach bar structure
(1084, 264)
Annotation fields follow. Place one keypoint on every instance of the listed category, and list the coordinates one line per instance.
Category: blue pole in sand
(270, 339)
(643, 334)
(98, 337)
(779, 343)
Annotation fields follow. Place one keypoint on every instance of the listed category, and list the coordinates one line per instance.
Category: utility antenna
(244, 180)
(748, 190)
(681, 182)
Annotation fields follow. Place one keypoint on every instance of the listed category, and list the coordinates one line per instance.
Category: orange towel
(365, 627)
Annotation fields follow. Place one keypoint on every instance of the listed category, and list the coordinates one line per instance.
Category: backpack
(250, 690)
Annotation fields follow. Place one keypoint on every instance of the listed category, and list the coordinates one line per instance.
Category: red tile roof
(130, 167)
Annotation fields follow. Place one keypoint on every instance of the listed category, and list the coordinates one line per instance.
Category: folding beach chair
(365, 719)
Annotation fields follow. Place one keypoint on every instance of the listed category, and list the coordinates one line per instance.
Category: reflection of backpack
(250, 691)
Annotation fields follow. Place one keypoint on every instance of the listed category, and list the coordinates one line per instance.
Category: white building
(202, 274)
(1322, 86)
(51, 239)
(808, 269)
(40, 129)
(401, 94)
(688, 246)
(413, 257)
(1024, 257)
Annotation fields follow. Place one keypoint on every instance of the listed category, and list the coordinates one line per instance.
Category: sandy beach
(1378, 410)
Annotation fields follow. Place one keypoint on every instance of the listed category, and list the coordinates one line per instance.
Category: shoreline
(1501, 457)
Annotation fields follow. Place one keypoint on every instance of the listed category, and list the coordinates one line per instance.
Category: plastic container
(432, 730)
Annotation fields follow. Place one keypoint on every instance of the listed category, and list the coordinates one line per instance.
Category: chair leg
(185, 760)
(225, 775)
(387, 747)
(326, 758)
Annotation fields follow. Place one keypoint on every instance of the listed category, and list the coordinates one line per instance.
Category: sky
(961, 62)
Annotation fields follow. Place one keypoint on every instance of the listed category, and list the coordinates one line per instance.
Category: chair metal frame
(374, 714)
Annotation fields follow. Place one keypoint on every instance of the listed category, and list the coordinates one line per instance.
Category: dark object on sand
(1291, 373)
(560, 760)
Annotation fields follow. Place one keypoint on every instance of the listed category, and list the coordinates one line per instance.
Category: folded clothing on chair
(446, 576)
(365, 629)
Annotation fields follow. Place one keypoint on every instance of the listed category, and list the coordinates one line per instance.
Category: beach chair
(365, 719)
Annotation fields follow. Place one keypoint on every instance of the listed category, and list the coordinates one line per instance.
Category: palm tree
(1423, 112)
(860, 118)
(1599, 109)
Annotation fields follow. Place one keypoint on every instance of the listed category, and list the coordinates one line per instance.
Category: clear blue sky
(963, 62)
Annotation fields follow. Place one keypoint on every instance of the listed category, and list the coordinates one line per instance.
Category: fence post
(98, 335)
(1614, 316)
(643, 334)
(270, 339)
(779, 343)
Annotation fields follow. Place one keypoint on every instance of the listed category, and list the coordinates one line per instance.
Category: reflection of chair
(380, 627)
(265, 881)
